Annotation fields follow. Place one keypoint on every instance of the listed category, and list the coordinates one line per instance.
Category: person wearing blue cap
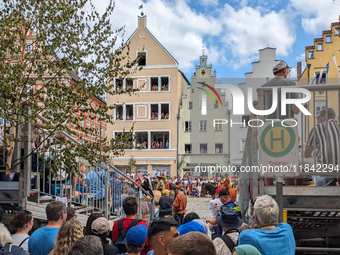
(191, 226)
(135, 239)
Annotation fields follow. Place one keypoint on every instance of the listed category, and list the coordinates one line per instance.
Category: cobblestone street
(199, 205)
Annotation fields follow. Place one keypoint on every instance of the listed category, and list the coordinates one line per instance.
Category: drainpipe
(178, 116)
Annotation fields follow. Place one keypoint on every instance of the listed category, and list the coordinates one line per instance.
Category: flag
(327, 67)
(334, 59)
(140, 7)
(311, 83)
(320, 77)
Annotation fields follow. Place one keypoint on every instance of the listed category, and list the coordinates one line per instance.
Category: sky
(231, 31)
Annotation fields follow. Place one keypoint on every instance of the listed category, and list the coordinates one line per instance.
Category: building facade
(322, 59)
(201, 145)
(153, 109)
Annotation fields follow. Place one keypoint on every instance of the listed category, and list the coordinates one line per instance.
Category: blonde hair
(68, 234)
(5, 236)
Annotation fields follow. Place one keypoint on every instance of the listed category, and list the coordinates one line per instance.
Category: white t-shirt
(18, 238)
(153, 174)
(214, 206)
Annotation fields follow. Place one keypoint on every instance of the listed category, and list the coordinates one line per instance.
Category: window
(164, 83)
(319, 105)
(320, 46)
(245, 119)
(129, 83)
(119, 112)
(187, 148)
(203, 148)
(218, 125)
(105, 133)
(336, 30)
(160, 140)
(28, 48)
(190, 105)
(142, 140)
(243, 144)
(322, 80)
(218, 147)
(165, 111)
(124, 139)
(102, 133)
(154, 84)
(203, 125)
(142, 168)
(187, 126)
(93, 125)
(154, 111)
(328, 39)
(88, 124)
(119, 85)
(311, 54)
(129, 112)
(81, 123)
(142, 59)
(200, 102)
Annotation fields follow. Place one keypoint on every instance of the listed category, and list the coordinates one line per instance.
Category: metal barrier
(101, 187)
(312, 211)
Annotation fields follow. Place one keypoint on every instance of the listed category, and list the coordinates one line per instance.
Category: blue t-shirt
(278, 241)
(42, 241)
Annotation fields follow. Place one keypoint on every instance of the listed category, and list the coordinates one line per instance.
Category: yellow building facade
(153, 110)
(322, 67)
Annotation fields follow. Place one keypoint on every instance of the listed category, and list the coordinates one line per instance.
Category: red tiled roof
(336, 24)
(310, 47)
(318, 40)
(327, 32)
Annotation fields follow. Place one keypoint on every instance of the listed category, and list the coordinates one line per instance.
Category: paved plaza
(199, 205)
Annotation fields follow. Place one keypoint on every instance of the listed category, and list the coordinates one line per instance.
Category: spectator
(160, 184)
(161, 233)
(56, 214)
(270, 237)
(190, 227)
(165, 203)
(71, 213)
(191, 243)
(190, 217)
(90, 219)
(215, 204)
(117, 191)
(101, 227)
(96, 185)
(87, 245)
(130, 207)
(180, 203)
(246, 249)
(135, 239)
(6, 242)
(21, 224)
(230, 222)
(68, 234)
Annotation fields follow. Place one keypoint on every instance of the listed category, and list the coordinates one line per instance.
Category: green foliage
(132, 165)
(68, 48)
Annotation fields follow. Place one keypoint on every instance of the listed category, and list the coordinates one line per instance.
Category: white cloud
(317, 15)
(248, 30)
(209, 2)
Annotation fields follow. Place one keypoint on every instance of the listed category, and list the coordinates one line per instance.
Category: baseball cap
(190, 226)
(100, 226)
(224, 192)
(136, 235)
(279, 65)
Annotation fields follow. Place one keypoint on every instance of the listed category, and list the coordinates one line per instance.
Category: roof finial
(141, 7)
(203, 50)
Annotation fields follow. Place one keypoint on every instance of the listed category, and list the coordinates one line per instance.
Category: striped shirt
(326, 136)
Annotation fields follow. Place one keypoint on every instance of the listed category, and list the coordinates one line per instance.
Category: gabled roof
(144, 17)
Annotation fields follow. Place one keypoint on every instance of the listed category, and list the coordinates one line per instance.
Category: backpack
(6, 250)
(120, 243)
(227, 240)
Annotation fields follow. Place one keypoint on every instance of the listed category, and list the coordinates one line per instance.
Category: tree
(54, 56)
(132, 165)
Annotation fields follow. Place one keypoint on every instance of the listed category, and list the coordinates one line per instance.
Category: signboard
(62, 199)
(278, 149)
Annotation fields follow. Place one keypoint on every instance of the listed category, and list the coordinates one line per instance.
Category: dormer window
(142, 59)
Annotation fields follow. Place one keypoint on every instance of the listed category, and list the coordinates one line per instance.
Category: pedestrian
(71, 213)
(87, 245)
(180, 204)
(191, 243)
(21, 224)
(56, 215)
(271, 237)
(230, 222)
(101, 228)
(68, 234)
(161, 233)
(135, 239)
(165, 203)
(130, 207)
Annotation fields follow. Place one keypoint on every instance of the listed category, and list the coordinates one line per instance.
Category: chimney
(299, 67)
